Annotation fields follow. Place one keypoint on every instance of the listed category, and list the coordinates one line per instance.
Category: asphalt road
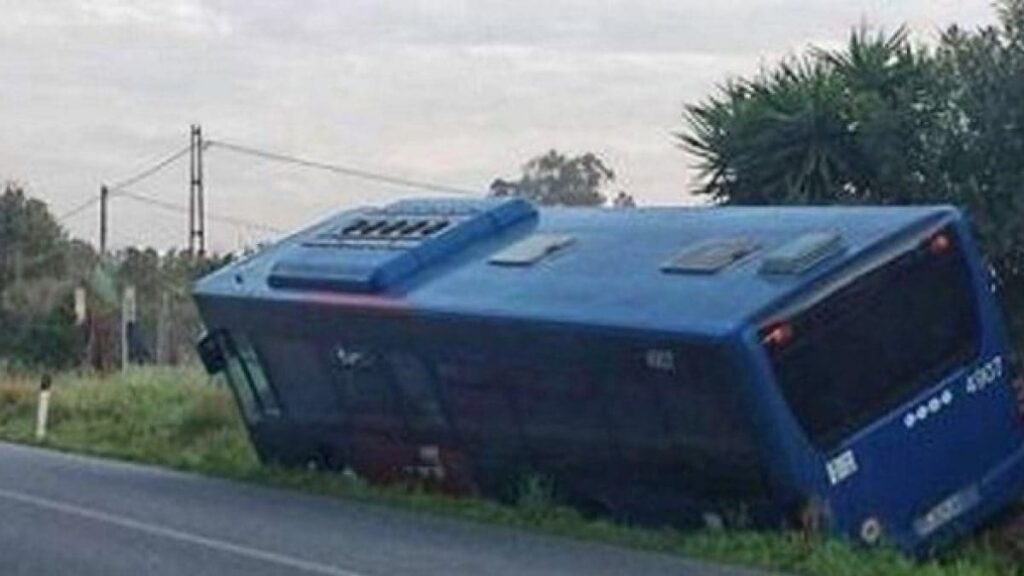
(65, 514)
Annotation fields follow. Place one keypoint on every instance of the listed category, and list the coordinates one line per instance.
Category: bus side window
(705, 408)
(238, 379)
(366, 384)
(563, 415)
(297, 372)
(419, 392)
(479, 403)
(265, 394)
(674, 418)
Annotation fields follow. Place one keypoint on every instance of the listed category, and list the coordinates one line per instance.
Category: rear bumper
(1000, 486)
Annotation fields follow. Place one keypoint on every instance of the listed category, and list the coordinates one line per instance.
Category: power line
(121, 187)
(344, 170)
(78, 209)
(125, 183)
(170, 206)
(150, 171)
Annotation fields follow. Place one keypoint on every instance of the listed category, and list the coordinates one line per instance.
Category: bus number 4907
(981, 378)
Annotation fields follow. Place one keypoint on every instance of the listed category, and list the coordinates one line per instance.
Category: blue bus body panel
(612, 278)
(964, 459)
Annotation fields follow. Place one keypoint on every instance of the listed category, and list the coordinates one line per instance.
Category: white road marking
(179, 535)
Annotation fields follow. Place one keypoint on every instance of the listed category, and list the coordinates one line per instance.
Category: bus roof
(696, 272)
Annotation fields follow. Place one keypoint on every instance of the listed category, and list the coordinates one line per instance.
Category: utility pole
(196, 203)
(104, 196)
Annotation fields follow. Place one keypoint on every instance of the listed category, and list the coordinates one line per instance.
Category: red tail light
(778, 335)
(939, 244)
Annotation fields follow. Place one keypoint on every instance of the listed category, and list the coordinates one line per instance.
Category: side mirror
(210, 353)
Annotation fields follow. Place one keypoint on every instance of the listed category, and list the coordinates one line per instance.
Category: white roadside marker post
(43, 408)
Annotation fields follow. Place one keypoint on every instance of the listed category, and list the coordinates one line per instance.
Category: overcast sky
(451, 91)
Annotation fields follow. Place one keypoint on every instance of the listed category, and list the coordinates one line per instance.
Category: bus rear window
(878, 341)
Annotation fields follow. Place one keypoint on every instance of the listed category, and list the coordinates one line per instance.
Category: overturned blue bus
(843, 367)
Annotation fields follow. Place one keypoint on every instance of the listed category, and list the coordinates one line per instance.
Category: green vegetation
(178, 419)
(882, 121)
(40, 268)
(554, 179)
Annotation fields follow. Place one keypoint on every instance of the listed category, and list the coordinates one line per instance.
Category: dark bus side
(646, 429)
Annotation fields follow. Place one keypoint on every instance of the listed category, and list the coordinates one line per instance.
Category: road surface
(66, 514)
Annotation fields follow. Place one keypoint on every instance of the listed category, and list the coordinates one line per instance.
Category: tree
(40, 267)
(555, 179)
(983, 74)
(848, 126)
(32, 243)
(35, 292)
(623, 200)
(167, 321)
(883, 122)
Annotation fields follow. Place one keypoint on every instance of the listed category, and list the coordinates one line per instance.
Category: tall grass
(164, 416)
(180, 419)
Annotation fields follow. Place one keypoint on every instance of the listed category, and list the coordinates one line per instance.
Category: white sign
(841, 467)
(80, 310)
(128, 314)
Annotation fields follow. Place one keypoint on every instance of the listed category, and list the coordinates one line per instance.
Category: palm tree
(819, 129)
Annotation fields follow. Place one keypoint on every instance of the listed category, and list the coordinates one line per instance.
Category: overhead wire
(159, 227)
(121, 187)
(171, 206)
(124, 183)
(78, 209)
(343, 170)
(150, 171)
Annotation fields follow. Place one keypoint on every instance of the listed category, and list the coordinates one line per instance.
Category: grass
(177, 419)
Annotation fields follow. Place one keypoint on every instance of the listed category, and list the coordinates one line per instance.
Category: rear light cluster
(777, 335)
(939, 244)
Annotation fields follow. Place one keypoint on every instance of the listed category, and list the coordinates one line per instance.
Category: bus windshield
(878, 341)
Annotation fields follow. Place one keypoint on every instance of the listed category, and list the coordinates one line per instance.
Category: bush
(883, 121)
